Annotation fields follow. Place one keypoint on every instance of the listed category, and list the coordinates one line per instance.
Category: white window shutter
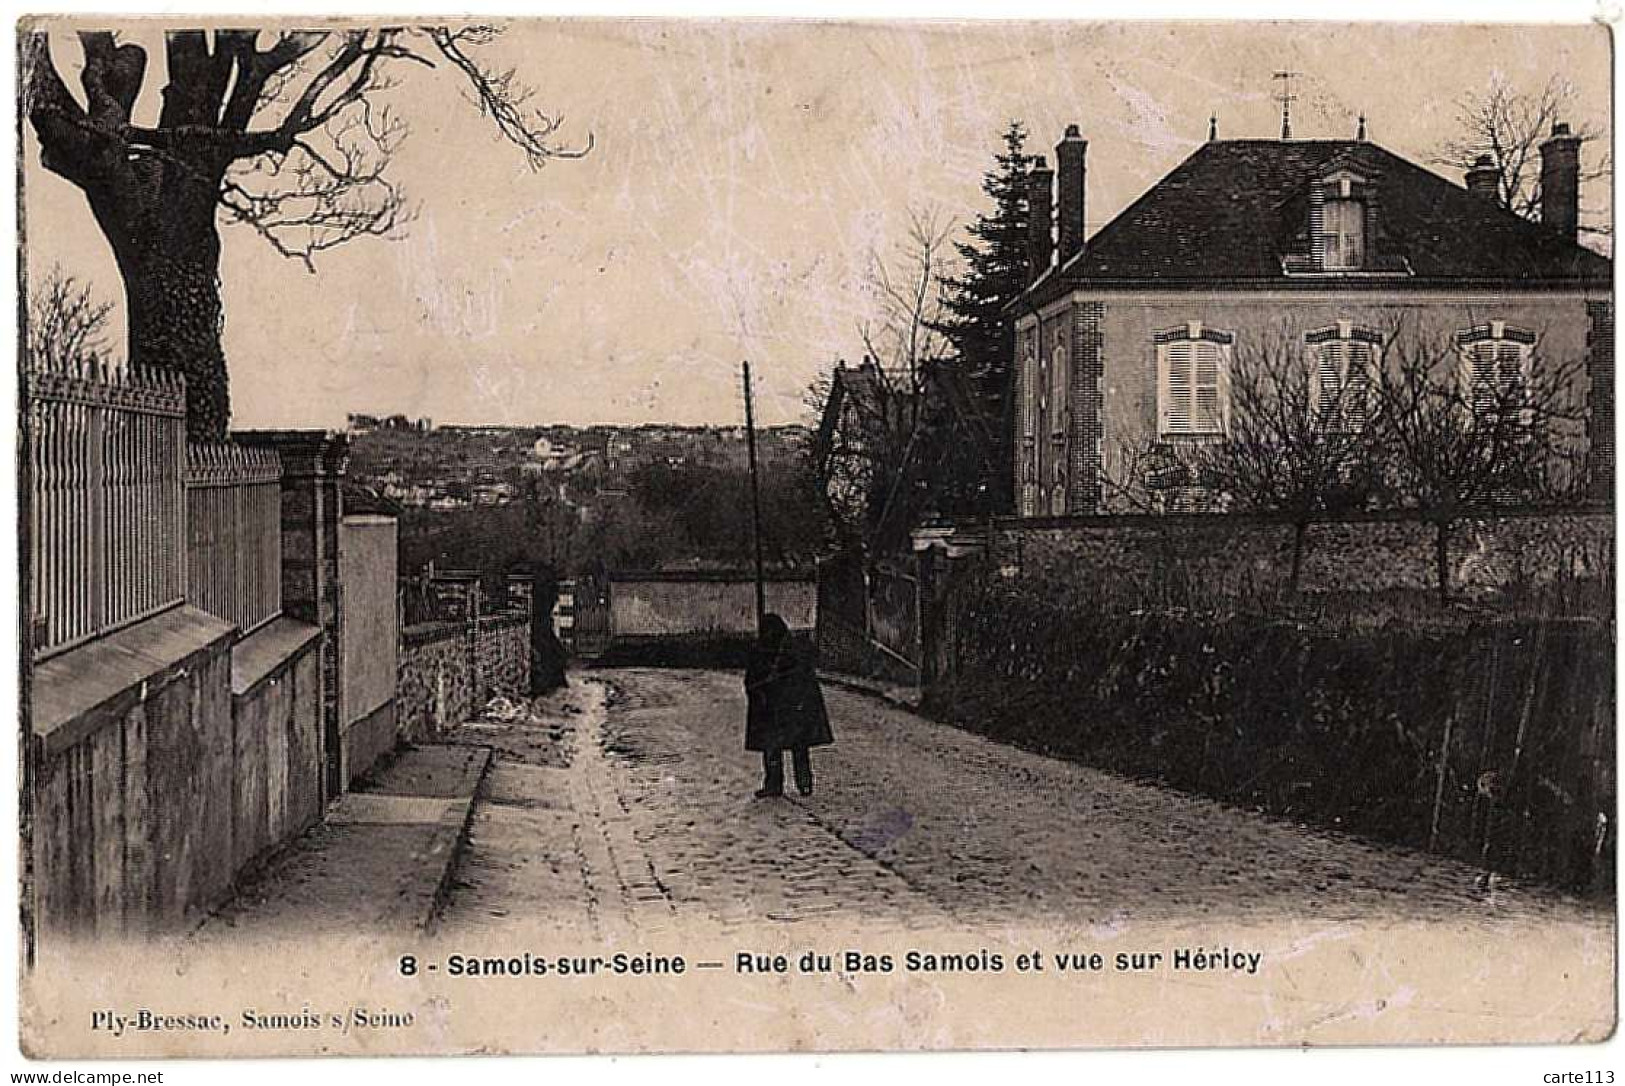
(1483, 390)
(1177, 387)
(1358, 383)
(1058, 396)
(1328, 376)
(1208, 414)
(1509, 366)
(1029, 406)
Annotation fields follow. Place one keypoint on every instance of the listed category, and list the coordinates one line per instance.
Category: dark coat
(785, 705)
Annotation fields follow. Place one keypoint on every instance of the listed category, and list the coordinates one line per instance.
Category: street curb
(873, 689)
(417, 908)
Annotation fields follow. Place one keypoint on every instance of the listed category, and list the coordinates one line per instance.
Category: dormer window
(1342, 211)
(1344, 233)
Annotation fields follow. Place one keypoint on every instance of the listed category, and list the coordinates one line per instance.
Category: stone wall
(275, 711)
(1600, 423)
(1251, 557)
(671, 604)
(169, 762)
(436, 689)
(448, 670)
(502, 654)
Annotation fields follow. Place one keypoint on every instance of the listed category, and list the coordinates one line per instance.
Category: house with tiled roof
(1124, 340)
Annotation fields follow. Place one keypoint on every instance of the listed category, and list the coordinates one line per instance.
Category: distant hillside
(449, 467)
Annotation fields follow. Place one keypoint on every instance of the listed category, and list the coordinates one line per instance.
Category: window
(1028, 453)
(1193, 381)
(1343, 233)
(1495, 361)
(1057, 386)
(1056, 454)
(1030, 386)
(1342, 381)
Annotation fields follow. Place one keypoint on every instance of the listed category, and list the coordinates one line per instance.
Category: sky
(743, 177)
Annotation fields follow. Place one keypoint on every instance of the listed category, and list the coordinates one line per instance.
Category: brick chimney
(1560, 181)
(1484, 179)
(1070, 156)
(1040, 221)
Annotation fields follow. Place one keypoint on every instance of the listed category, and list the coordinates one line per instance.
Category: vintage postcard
(652, 535)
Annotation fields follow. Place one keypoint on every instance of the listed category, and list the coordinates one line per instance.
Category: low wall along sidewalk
(448, 670)
(170, 762)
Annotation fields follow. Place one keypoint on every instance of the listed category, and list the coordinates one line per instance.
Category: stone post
(945, 556)
(313, 467)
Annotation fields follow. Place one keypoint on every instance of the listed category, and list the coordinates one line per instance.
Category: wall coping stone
(304, 453)
(705, 576)
(1222, 520)
(425, 632)
(268, 650)
(75, 693)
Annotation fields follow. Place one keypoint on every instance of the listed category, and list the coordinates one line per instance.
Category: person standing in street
(785, 708)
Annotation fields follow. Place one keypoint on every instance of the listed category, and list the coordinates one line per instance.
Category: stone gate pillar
(313, 468)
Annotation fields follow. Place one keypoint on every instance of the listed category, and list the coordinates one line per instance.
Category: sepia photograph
(740, 535)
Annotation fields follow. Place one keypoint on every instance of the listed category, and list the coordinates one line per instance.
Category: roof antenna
(1286, 98)
(1213, 128)
(1360, 135)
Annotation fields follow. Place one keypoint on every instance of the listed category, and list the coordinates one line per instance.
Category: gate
(591, 623)
(894, 612)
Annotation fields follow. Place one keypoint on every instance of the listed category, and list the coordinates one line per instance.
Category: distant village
(415, 464)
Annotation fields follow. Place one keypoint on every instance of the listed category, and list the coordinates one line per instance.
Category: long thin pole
(755, 501)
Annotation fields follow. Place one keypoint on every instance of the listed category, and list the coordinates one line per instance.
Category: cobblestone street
(624, 803)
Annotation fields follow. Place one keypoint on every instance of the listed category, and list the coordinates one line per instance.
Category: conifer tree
(980, 332)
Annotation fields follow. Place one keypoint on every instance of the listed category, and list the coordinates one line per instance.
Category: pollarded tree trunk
(300, 107)
(173, 299)
(155, 199)
(169, 258)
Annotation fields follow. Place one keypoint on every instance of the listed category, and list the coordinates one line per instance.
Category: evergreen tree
(995, 271)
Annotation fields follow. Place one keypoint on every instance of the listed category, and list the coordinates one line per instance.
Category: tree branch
(502, 98)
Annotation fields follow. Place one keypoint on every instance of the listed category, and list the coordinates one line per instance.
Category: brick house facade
(1124, 343)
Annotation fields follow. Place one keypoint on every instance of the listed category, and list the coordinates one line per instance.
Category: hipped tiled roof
(1235, 210)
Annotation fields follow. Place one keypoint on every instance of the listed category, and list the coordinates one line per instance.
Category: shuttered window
(1497, 375)
(1057, 389)
(1193, 386)
(1343, 381)
(1027, 454)
(1495, 368)
(1030, 386)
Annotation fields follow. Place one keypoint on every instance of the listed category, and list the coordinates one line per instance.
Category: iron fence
(234, 533)
(103, 447)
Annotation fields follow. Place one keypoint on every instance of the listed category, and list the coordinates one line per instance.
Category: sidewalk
(381, 861)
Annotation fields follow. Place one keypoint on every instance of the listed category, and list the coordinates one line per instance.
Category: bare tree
(908, 285)
(1301, 439)
(282, 132)
(1509, 126)
(1463, 430)
(874, 416)
(67, 325)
